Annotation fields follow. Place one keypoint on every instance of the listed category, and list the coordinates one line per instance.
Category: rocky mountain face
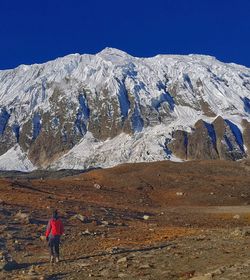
(84, 111)
(220, 139)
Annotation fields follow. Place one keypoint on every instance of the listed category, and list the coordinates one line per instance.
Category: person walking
(54, 231)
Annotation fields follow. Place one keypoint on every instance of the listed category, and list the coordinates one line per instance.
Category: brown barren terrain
(160, 220)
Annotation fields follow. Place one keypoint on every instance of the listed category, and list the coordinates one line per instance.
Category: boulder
(81, 218)
(23, 217)
(122, 260)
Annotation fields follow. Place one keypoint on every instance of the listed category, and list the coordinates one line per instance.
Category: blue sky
(35, 31)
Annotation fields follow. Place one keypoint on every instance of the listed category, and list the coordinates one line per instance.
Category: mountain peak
(113, 55)
(113, 51)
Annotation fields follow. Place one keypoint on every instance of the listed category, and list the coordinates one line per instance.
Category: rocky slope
(84, 111)
(124, 223)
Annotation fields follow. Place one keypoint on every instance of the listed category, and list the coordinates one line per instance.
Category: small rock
(43, 238)
(187, 274)
(145, 266)
(171, 247)
(219, 271)
(241, 232)
(84, 265)
(86, 232)
(23, 216)
(237, 217)
(104, 223)
(200, 238)
(246, 231)
(237, 232)
(81, 218)
(32, 271)
(122, 275)
(145, 217)
(97, 186)
(180, 193)
(122, 260)
(113, 250)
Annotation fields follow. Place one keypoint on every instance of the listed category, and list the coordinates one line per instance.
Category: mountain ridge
(114, 50)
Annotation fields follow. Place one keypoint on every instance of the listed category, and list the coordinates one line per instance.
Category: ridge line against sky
(112, 53)
(42, 30)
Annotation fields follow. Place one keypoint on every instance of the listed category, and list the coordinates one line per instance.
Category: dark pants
(54, 243)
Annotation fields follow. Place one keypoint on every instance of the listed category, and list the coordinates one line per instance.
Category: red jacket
(54, 227)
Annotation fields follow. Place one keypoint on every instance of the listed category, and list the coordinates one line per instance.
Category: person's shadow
(56, 276)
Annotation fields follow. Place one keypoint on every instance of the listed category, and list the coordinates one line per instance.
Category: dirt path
(227, 209)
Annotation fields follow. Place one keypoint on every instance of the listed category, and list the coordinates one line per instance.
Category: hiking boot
(51, 259)
(57, 260)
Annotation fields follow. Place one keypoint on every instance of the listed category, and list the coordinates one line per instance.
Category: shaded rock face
(48, 135)
(9, 135)
(230, 143)
(110, 116)
(246, 134)
(105, 119)
(179, 144)
(219, 140)
(7, 140)
(202, 142)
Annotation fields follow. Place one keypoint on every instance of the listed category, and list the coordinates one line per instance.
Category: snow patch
(141, 147)
(16, 159)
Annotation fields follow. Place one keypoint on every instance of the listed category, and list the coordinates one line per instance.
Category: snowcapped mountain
(84, 111)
